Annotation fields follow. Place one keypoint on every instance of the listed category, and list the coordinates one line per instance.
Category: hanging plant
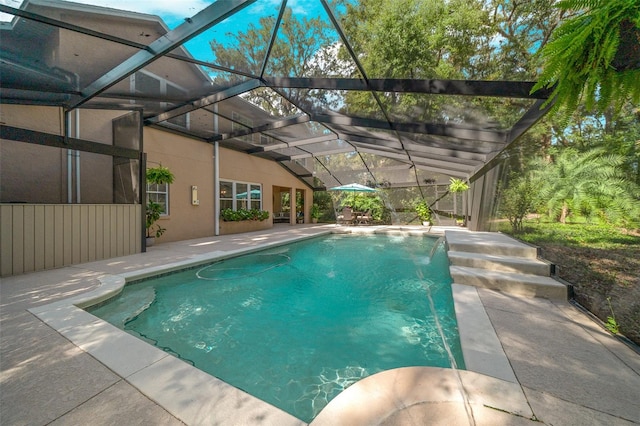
(159, 175)
(156, 175)
(593, 57)
(457, 185)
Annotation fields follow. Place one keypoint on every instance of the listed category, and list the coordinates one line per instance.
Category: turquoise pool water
(297, 324)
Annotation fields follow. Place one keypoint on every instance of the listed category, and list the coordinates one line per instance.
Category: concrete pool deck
(541, 361)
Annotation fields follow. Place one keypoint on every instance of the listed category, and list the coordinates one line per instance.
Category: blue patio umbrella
(353, 187)
(255, 194)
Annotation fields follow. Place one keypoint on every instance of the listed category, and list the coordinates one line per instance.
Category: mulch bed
(598, 274)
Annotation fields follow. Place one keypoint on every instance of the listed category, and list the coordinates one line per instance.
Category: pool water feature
(297, 324)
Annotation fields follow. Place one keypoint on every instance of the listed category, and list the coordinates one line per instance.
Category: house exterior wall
(247, 168)
(191, 162)
(39, 229)
(31, 173)
(39, 174)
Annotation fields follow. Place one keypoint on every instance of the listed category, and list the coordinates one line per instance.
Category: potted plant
(156, 175)
(594, 56)
(154, 210)
(424, 213)
(315, 213)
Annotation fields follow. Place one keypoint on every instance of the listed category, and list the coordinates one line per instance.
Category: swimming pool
(296, 324)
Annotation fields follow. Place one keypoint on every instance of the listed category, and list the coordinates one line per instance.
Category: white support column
(293, 211)
(216, 189)
(216, 177)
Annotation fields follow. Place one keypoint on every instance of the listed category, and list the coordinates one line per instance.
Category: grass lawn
(600, 261)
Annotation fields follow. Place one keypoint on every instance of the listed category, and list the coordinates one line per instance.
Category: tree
(517, 200)
(614, 133)
(303, 48)
(415, 39)
(588, 184)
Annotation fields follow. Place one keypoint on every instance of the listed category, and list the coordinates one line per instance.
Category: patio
(567, 368)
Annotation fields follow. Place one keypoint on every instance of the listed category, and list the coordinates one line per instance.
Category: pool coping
(194, 396)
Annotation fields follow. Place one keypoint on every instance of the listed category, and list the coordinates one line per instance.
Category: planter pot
(151, 241)
(314, 220)
(425, 223)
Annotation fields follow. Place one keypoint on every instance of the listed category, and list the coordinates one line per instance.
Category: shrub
(517, 201)
(230, 215)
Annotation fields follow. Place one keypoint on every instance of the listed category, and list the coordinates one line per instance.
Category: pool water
(297, 324)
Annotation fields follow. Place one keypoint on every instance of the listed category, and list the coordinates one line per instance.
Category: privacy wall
(35, 237)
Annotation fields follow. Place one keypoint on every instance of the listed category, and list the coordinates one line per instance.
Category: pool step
(499, 262)
(489, 243)
(528, 285)
(502, 263)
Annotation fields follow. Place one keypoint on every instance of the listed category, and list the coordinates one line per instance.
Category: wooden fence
(35, 237)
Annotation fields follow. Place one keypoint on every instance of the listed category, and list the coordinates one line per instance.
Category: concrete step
(510, 282)
(501, 263)
(492, 243)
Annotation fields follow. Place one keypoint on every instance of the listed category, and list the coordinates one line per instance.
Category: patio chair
(364, 218)
(346, 217)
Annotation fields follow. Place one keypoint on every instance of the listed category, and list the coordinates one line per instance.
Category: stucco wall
(247, 168)
(39, 174)
(32, 173)
(192, 164)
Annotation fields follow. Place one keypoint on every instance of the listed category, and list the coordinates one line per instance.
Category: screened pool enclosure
(285, 83)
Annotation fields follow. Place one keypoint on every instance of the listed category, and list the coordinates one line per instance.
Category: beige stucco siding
(39, 174)
(247, 168)
(192, 164)
(32, 173)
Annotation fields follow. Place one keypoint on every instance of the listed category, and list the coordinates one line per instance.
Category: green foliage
(322, 199)
(589, 184)
(612, 324)
(152, 215)
(418, 39)
(315, 211)
(370, 202)
(457, 185)
(230, 215)
(302, 48)
(517, 200)
(156, 175)
(160, 175)
(599, 236)
(578, 61)
(423, 211)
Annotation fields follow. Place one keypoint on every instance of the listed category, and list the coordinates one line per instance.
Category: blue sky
(174, 12)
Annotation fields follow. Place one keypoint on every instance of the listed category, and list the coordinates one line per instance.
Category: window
(226, 195)
(159, 193)
(146, 83)
(240, 195)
